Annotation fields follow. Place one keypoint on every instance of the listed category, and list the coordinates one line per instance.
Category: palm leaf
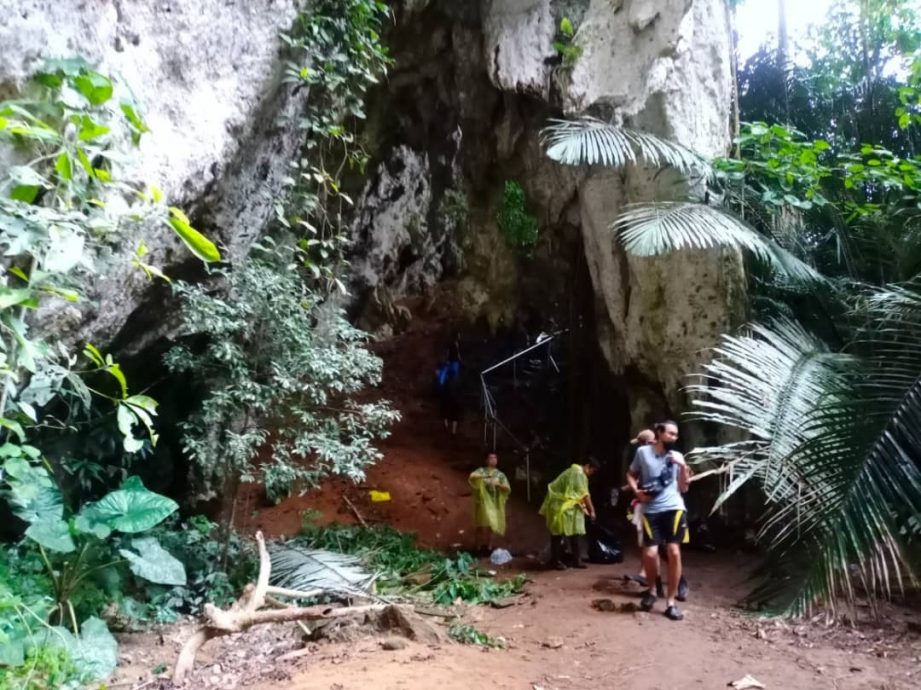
(310, 570)
(833, 441)
(588, 141)
(654, 228)
(763, 383)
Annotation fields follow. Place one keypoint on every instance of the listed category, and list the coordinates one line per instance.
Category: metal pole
(527, 470)
(518, 354)
(485, 409)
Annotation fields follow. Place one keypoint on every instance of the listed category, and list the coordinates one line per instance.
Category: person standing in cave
(491, 490)
(567, 503)
(658, 476)
(644, 438)
(448, 377)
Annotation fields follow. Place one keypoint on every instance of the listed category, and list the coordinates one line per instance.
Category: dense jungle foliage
(824, 386)
(821, 190)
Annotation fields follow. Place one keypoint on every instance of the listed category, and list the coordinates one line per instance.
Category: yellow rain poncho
(490, 492)
(562, 507)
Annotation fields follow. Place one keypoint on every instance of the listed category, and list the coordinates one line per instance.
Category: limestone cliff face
(206, 74)
(470, 91)
(473, 83)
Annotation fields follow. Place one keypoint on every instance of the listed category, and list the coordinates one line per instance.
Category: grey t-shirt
(648, 466)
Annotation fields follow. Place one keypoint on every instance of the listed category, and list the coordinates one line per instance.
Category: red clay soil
(429, 496)
(713, 646)
(424, 470)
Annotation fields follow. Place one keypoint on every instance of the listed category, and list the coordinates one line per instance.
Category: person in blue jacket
(448, 381)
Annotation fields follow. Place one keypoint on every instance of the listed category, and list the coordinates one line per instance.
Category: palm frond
(763, 383)
(589, 141)
(896, 304)
(833, 440)
(654, 228)
(310, 570)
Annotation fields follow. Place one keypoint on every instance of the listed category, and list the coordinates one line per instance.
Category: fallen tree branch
(244, 613)
(354, 511)
(228, 622)
(272, 601)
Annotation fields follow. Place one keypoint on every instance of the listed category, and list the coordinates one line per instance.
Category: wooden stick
(296, 654)
(229, 622)
(272, 601)
(354, 511)
(253, 597)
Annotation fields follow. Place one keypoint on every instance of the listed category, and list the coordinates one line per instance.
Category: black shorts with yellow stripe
(667, 527)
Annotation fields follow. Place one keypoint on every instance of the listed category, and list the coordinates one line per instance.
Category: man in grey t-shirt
(658, 476)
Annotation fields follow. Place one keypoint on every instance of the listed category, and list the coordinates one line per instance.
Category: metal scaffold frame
(490, 413)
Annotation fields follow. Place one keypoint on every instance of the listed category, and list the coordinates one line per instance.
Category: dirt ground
(423, 469)
(555, 638)
(709, 649)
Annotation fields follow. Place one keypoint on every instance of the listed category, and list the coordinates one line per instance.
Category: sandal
(648, 601)
(682, 589)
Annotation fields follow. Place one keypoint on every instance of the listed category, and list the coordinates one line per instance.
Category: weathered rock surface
(206, 74)
(461, 112)
(661, 66)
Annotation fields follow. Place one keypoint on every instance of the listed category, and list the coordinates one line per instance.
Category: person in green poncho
(490, 493)
(565, 507)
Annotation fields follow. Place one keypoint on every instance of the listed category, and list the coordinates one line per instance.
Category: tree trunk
(734, 68)
(783, 56)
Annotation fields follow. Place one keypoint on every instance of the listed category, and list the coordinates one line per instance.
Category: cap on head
(643, 438)
(592, 464)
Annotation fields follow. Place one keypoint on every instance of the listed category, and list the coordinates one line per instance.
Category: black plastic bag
(603, 545)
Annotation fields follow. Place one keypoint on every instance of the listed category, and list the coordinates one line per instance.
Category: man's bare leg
(651, 565)
(454, 428)
(674, 571)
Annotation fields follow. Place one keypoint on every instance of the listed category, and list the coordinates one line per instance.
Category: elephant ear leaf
(130, 509)
(94, 654)
(35, 499)
(53, 534)
(154, 563)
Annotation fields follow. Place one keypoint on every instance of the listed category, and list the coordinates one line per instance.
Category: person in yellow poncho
(490, 493)
(565, 507)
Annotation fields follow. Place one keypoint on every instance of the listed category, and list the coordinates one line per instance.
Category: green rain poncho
(489, 498)
(562, 507)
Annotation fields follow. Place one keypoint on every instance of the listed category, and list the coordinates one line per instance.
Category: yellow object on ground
(379, 496)
(562, 507)
(490, 492)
